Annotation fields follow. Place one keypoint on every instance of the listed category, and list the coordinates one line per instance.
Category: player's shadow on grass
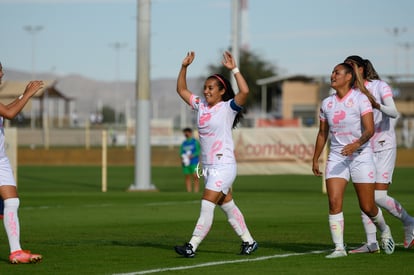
(277, 247)
(143, 244)
(296, 247)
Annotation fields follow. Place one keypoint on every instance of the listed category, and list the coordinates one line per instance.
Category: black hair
(369, 71)
(224, 83)
(356, 59)
(188, 129)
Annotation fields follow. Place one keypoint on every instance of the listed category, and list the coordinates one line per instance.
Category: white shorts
(358, 167)
(219, 178)
(384, 164)
(6, 172)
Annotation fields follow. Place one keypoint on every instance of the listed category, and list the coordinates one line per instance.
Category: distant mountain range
(89, 95)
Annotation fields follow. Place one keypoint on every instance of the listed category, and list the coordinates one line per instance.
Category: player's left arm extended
(389, 107)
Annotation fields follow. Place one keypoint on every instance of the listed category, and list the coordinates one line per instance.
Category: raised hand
(33, 87)
(188, 59)
(228, 61)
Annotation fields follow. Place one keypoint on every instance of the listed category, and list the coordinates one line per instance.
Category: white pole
(87, 135)
(45, 116)
(104, 160)
(127, 123)
(143, 102)
(235, 41)
(117, 46)
(33, 30)
(183, 115)
(264, 100)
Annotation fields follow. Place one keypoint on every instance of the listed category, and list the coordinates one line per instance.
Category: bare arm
(321, 139)
(10, 110)
(230, 63)
(182, 89)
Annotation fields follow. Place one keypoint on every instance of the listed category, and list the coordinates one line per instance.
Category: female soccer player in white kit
(384, 145)
(346, 117)
(218, 113)
(8, 190)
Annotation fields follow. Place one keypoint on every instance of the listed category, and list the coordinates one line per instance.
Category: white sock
(370, 228)
(236, 219)
(336, 224)
(379, 221)
(392, 206)
(203, 224)
(11, 223)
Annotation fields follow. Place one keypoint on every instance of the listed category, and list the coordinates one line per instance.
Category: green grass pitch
(80, 230)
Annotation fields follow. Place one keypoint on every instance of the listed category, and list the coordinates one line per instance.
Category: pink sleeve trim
(192, 101)
(387, 95)
(366, 112)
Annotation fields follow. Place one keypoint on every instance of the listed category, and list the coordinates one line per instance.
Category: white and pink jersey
(2, 138)
(384, 137)
(215, 130)
(344, 118)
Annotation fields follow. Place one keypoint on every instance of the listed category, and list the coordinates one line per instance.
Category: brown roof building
(48, 103)
(299, 97)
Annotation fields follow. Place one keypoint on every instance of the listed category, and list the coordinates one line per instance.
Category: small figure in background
(189, 152)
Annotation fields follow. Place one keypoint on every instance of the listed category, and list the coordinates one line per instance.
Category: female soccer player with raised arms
(217, 114)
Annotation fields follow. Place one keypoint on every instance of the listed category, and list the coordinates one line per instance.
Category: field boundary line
(158, 270)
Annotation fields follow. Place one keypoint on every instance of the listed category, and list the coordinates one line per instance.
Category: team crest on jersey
(330, 104)
(350, 103)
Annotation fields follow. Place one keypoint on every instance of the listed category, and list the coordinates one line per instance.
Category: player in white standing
(8, 189)
(384, 145)
(346, 117)
(217, 114)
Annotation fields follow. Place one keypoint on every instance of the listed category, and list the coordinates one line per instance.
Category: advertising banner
(265, 151)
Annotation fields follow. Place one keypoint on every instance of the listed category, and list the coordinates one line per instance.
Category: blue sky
(297, 36)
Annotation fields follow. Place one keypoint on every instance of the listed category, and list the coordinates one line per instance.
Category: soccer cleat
(366, 248)
(409, 236)
(247, 249)
(337, 253)
(387, 243)
(24, 257)
(186, 250)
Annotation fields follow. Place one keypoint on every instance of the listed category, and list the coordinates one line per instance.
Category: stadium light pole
(235, 38)
(407, 47)
(117, 46)
(33, 30)
(395, 32)
(143, 104)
